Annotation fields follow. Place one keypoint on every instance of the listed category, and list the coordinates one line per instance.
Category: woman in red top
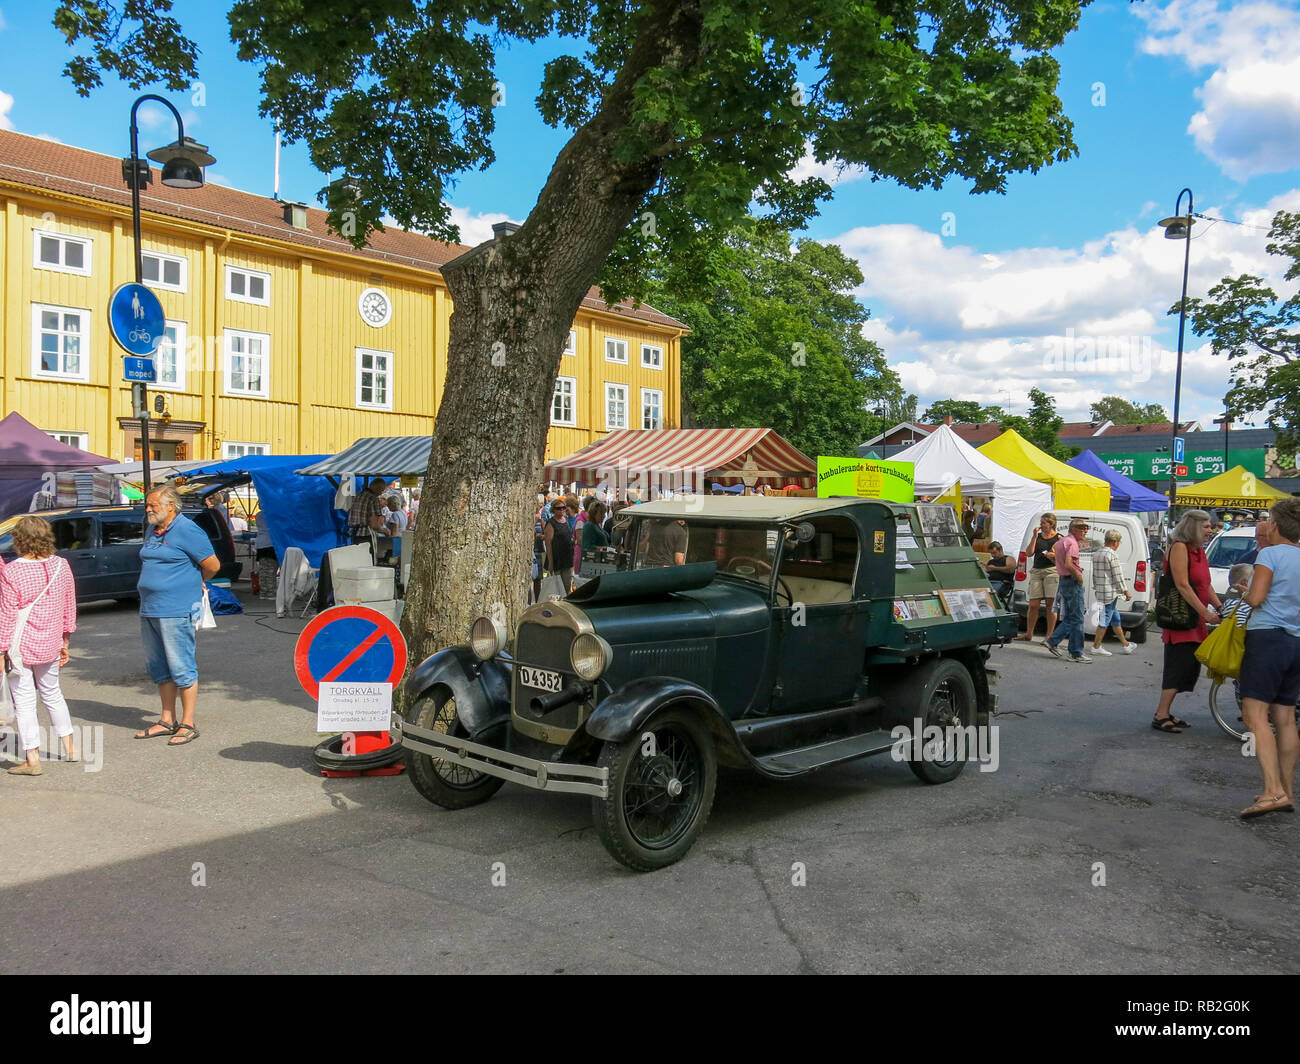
(1191, 571)
(38, 611)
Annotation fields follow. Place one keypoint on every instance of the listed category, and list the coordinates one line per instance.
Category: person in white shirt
(395, 516)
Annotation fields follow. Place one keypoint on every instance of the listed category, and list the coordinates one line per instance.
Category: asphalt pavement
(1098, 845)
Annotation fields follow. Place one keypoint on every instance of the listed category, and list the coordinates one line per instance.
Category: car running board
(823, 755)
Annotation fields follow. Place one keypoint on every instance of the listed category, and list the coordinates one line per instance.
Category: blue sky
(1062, 283)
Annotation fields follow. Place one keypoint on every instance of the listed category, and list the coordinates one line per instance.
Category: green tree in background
(777, 341)
(962, 412)
(681, 115)
(1042, 425)
(1260, 333)
(1123, 412)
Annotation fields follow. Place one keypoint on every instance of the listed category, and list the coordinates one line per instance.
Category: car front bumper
(539, 775)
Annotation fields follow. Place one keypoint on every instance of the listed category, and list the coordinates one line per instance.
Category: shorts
(1270, 669)
(1110, 617)
(1042, 584)
(1182, 670)
(169, 650)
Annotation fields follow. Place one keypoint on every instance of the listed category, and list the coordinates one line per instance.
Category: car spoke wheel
(661, 785)
(445, 783)
(946, 702)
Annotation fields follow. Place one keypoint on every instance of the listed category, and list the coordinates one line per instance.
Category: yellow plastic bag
(1223, 649)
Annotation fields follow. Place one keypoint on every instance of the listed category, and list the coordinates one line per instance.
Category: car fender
(626, 709)
(481, 688)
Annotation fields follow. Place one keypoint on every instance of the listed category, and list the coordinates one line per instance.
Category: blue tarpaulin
(1126, 496)
(299, 511)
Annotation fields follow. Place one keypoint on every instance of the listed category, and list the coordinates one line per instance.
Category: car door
(74, 539)
(120, 538)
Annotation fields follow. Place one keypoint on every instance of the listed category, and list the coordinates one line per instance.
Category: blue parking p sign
(1180, 446)
(136, 319)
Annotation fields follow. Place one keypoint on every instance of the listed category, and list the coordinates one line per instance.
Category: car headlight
(487, 638)
(590, 656)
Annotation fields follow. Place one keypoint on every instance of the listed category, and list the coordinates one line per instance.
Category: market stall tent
(1071, 488)
(1237, 487)
(26, 455)
(1126, 496)
(943, 459)
(676, 459)
(375, 456)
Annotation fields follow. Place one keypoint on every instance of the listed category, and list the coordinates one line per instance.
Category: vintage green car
(780, 635)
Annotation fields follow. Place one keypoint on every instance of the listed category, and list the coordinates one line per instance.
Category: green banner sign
(865, 478)
(1201, 463)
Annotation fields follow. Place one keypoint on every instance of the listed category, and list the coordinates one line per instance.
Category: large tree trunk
(515, 300)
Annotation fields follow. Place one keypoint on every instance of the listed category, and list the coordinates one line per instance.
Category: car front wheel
(661, 784)
(946, 701)
(445, 783)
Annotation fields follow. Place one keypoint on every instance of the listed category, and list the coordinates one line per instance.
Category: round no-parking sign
(349, 644)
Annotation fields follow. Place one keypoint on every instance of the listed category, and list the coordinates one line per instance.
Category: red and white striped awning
(677, 458)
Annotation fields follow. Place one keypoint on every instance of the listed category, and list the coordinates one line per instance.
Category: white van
(1134, 557)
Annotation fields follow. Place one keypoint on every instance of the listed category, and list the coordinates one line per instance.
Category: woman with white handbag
(38, 611)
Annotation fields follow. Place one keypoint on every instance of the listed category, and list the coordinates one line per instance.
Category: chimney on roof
(295, 214)
(947, 419)
(501, 230)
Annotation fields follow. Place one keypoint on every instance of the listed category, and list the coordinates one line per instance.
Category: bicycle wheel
(1226, 716)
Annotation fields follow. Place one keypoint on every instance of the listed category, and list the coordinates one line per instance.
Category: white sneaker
(1082, 659)
(1127, 648)
(1103, 652)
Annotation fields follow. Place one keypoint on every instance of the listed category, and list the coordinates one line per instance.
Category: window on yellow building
(564, 407)
(60, 342)
(374, 378)
(164, 271)
(615, 406)
(615, 350)
(248, 286)
(169, 359)
(80, 440)
(652, 405)
(652, 356)
(571, 348)
(240, 450)
(55, 251)
(248, 357)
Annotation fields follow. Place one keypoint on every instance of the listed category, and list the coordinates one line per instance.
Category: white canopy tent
(943, 458)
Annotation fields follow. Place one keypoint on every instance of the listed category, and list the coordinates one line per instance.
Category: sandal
(194, 734)
(149, 733)
(1286, 808)
(1180, 723)
(1272, 804)
(1166, 724)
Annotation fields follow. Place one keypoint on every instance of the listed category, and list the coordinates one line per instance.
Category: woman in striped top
(38, 611)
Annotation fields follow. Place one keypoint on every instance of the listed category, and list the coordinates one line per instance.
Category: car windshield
(7, 535)
(744, 550)
(1226, 551)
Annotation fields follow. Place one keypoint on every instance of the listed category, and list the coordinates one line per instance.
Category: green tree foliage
(962, 412)
(1042, 425)
(777, 341)
(1246, 320)
(1124, 412)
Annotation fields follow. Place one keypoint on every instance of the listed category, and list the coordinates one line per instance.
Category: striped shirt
(1107, 576)
(21, 581)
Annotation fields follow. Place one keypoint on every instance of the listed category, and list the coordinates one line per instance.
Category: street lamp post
(1225, 421)
(1179, 227)
(182, 167)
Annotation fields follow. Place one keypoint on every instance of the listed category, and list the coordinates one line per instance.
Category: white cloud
(6, 102)
(48, 136)
(1078, 322)
(475, 226)
(154, 117)
(3, 24)
(1249, 122)
(835, 172)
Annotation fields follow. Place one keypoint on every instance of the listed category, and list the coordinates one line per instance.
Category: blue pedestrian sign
(1179, 449)
(136, 319)
(140, 369)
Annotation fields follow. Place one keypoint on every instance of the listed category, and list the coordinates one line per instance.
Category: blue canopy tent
(1126, 496)
(299, 511)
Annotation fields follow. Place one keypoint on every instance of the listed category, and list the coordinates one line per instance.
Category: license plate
(542, 679)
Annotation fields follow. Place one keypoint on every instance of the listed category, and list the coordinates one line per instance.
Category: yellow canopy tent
(1072, 489)
(1236, 487)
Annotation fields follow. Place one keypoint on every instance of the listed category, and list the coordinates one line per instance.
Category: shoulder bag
(1172, 610)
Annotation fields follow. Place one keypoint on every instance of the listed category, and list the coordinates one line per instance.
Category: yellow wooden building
(281, 337)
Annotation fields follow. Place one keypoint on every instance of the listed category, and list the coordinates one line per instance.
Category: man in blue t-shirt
(175, 560)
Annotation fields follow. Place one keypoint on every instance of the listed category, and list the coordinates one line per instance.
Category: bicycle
(1229, 716)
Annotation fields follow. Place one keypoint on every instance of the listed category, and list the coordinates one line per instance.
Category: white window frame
(658, 362)
(573, 401)
(228, 449)
(266, 277)
(87, 243)
(614, 340)
(265, 392)
(611, 386)
(572, 347)
(84, 353)
(182, 350)
(658, 393)
(79, 440)
(388, 379)
(162, 260)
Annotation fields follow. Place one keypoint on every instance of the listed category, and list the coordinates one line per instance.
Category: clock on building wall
(375, 307)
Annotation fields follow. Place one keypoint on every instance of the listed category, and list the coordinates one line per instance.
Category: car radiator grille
(545, 648)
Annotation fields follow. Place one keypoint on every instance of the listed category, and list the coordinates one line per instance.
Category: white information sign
(354, 707)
